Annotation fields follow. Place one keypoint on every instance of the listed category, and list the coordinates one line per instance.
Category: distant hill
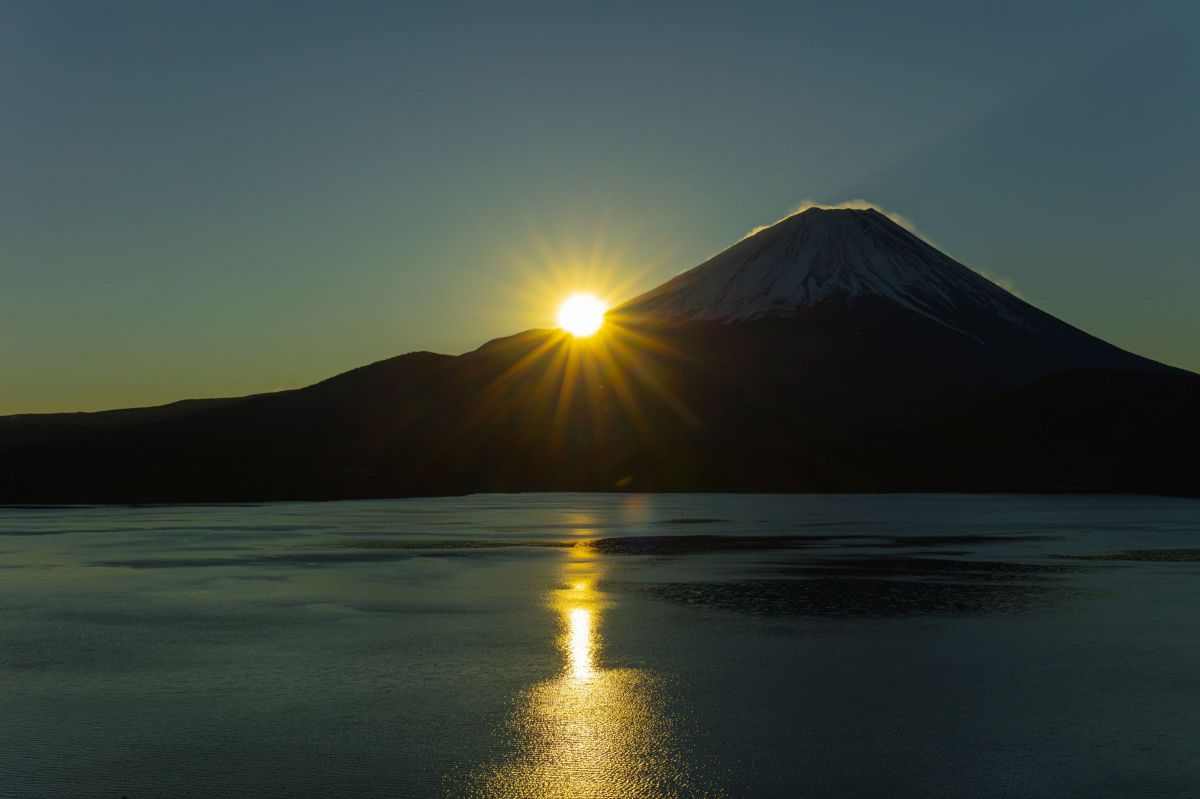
(832, 351)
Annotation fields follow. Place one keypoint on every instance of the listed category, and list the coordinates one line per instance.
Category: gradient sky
(212, 199)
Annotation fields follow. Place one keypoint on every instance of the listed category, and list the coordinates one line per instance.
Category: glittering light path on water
(591, 731)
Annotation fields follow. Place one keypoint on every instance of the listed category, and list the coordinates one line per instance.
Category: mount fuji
(825, 261)
(858, 320)
(832, 351)
(833, 255)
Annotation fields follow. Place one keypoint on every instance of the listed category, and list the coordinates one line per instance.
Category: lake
(604, 645)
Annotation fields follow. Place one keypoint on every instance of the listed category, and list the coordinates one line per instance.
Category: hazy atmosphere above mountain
(228, 198)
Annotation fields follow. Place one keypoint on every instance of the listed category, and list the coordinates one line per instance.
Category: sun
(581, 314)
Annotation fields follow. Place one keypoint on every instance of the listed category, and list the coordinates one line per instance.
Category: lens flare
(581, 314)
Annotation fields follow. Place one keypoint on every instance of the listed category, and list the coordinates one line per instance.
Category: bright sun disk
(581, 314)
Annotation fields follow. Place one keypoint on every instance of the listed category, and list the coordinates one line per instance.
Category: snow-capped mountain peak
(825, 255)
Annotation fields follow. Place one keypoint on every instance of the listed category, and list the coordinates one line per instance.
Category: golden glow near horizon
(553, 258)
(581, 314)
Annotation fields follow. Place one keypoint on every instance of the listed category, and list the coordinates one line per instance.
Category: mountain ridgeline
(832, 351)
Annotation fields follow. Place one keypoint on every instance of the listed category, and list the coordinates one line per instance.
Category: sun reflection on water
(592, 731)
(581, 643)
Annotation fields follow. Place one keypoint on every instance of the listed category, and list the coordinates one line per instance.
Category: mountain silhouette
(832, 351)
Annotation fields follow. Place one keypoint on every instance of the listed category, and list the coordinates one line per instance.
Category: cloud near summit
(854, 205)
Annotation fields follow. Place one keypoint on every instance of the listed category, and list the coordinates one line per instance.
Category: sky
(224, 198)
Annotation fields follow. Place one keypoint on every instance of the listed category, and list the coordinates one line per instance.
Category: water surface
(579, 645)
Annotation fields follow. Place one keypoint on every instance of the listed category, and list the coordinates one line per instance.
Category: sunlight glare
(580, 620)
(581, 314)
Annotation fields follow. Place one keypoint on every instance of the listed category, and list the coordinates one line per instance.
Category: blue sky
(211, 199)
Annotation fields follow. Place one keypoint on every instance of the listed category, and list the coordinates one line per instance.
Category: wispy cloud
(1001, 281)
(855, 205)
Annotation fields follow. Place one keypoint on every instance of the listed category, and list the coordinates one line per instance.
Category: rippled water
(577, 645)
